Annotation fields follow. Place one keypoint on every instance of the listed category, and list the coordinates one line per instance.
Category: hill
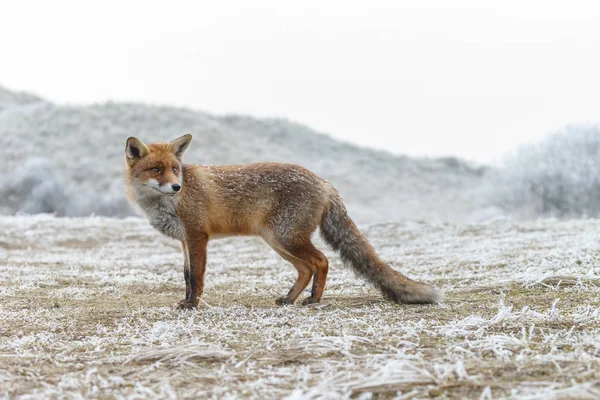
(68, 160)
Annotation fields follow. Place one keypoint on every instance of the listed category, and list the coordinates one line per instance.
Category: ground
(86, 312)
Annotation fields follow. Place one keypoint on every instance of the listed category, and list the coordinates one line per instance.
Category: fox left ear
(180, 145)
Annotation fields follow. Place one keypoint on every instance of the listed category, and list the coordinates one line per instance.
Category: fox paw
(283, 301)
(309, 300)
(185, 305)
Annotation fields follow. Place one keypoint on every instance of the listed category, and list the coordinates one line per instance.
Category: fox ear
(180, 145)
(135, 150)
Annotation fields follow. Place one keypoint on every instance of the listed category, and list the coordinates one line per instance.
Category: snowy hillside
(86, 312)
(10, 98)
(69, 160)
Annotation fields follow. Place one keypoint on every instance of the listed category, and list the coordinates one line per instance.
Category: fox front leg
(196, 250)
(186, 268)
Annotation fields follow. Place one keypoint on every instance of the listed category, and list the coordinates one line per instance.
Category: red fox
(282, 203)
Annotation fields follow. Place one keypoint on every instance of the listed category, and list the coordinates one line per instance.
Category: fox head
(156, 167)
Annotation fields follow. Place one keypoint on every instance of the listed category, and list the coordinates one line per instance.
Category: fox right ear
(180, 145)
(135, 150)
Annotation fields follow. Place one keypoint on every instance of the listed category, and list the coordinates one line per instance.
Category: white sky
(467, 78)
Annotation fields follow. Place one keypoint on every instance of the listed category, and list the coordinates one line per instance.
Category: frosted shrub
(35, 188)
(558, 177)
(39, 187)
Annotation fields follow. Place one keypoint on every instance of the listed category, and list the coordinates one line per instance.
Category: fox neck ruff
(161, 211)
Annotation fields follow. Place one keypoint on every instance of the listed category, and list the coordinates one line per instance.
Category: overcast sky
(466, 78)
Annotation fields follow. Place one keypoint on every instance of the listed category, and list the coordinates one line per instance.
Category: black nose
(176, 187)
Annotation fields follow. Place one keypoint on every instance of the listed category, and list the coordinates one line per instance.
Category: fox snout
(166, 188)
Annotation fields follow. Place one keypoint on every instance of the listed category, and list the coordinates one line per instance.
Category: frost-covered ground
(85, 312)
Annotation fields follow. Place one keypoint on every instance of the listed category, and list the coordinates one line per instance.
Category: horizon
(425, 79)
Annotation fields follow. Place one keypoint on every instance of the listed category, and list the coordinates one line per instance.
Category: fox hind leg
(320, 265)
(310, 263)
(305, 274)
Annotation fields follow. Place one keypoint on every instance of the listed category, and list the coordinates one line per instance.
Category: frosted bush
(558, 177)
(35, 188)
(38, 187)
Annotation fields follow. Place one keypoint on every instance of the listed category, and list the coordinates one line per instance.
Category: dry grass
(85, 312)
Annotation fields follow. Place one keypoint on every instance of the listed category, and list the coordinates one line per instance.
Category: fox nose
(176, 187)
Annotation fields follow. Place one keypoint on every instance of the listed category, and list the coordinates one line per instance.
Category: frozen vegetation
(558, 177)
(86, 312)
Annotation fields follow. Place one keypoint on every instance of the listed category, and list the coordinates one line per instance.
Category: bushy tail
(340, 232)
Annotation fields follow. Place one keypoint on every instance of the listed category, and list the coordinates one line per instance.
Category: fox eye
(156, 170)
(175, 169)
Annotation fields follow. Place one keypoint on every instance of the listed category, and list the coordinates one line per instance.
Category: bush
(39, 187)
(558, 177)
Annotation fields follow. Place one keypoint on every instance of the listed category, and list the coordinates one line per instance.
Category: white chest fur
(162, 216)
